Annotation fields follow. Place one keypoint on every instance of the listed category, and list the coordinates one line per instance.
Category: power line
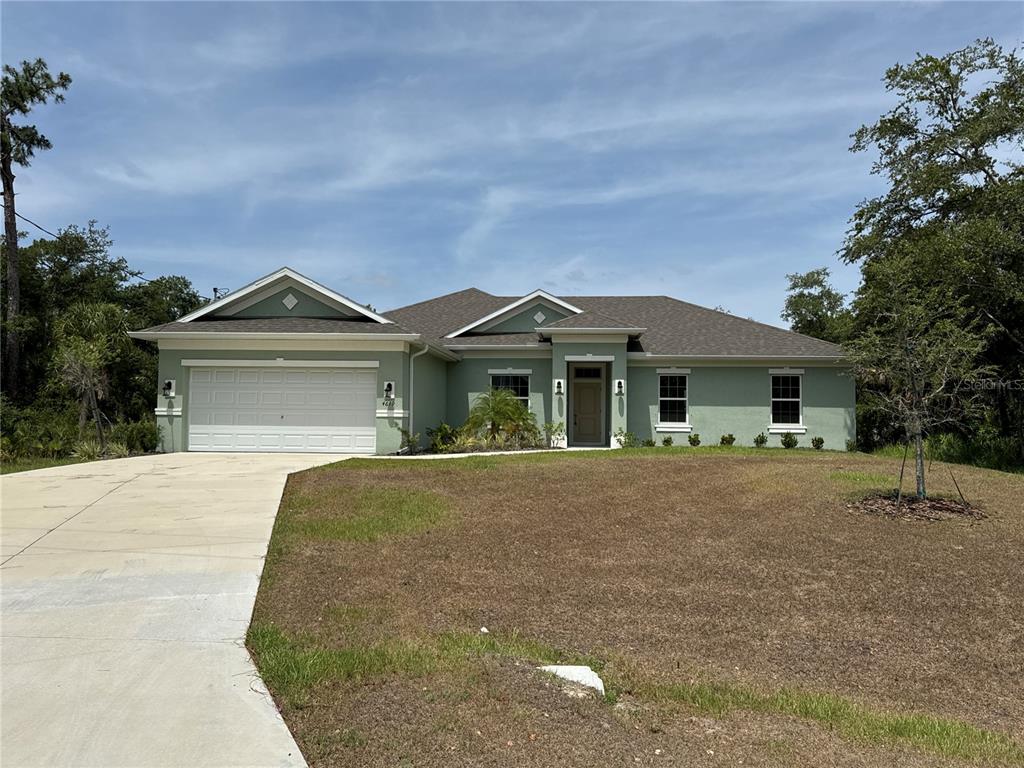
(41, 229)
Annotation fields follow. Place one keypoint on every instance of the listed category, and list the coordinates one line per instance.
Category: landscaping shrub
(117, 450)
(137, 436)
(789, 440)
(554, 432)
(627, 439)
(648, 443)
(761, 440)
(442, 437)
(694, 439)
(986, 448)
(87, 450)
(410, 442)
(727, 439)
(502, 421)
(35, 432)
(667, 441)
(851, 446)
(817, 443)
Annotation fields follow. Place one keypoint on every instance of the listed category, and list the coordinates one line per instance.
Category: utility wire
(26, 218)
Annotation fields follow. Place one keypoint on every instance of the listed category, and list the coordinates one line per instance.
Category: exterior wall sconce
(620, 387)
(389, 390)
(559, 387)
(167, 390)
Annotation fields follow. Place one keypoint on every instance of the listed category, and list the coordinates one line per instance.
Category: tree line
(71, 376)
(935, 330)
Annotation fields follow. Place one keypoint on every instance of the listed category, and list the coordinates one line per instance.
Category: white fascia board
(217, 335)
(324, 291)
(538, 294)
(587, 331)
(496, 347)
(278, 363)
(635, 357)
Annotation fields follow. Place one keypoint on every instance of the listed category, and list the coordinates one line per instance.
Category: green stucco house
(286, 364)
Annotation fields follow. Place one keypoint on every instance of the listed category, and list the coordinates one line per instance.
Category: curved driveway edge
(126, 588)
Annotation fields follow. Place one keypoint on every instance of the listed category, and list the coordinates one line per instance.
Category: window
(586, 373)
(517, 384)
(672, 399)
(785, 399)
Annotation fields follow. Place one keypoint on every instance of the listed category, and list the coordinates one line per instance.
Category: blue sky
(398, 151)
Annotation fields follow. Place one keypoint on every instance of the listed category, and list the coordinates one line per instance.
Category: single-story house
(286, 364)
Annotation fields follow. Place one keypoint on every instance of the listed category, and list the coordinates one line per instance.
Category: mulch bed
(913, 508)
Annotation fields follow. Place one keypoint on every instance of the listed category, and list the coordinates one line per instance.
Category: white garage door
(329, 410)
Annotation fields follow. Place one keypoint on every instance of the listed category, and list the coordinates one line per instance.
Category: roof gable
(516, 308)
(289, 301)
(308, 295)
(534, 315)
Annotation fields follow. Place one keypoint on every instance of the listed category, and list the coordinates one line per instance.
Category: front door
(588, 406)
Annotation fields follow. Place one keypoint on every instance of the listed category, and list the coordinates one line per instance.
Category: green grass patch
(946, 737)
(24, 465)
(511, 645)
(375, 514)
(291, 668)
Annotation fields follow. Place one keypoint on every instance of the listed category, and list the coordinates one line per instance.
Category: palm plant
(498, 411)
(89, 338)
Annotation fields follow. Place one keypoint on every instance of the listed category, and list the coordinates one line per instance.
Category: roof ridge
(443, 296)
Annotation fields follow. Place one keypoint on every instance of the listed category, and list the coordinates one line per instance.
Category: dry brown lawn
(671, 569)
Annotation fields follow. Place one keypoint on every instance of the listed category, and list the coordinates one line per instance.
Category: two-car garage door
(282, 409)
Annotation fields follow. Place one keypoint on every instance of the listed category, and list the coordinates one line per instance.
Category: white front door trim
(601, 382)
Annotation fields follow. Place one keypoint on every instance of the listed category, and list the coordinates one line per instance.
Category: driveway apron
(126, 588)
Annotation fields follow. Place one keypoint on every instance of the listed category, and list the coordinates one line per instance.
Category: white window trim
(509, 371)
(779, 429)
(674, 426)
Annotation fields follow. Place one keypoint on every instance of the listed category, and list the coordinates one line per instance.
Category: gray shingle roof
(278, 325)
(590, 318)
(674, 327)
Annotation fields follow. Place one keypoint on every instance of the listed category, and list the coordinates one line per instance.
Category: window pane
(517, 385)
(673, 386)
(586, 373)
(672, 412)
(786, 386)
(785, 412)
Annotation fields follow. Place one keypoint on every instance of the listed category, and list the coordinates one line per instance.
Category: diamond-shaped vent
(540, 317)
(290, 302)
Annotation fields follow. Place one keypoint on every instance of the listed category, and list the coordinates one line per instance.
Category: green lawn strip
(950, 738)
(376, 513)
(24, 465)
(293, 667)
(493, 460)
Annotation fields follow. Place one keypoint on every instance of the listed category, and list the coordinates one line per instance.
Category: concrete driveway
(127, 587)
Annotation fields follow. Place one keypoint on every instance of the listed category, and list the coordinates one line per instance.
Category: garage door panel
(275, 409)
